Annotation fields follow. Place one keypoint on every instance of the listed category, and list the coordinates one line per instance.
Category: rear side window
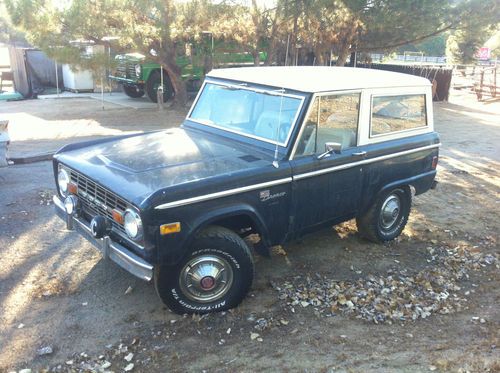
(397, 113)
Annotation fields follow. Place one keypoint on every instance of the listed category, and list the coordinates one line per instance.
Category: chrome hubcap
(206, 278)
(390, 211)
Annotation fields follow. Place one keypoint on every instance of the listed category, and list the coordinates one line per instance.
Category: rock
(129, 357)
(106, 365)
(47, 350)
(129, 367)
(254, 336)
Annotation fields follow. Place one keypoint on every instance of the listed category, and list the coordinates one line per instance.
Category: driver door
(327, 189)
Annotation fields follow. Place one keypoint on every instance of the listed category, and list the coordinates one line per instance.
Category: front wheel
(214, 275)
(387, 218)
(133, 91)
(154, 82)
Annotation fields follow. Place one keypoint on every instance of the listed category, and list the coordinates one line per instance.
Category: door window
(332, 118)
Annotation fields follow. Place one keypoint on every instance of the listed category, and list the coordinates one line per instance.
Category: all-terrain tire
(387, 217)
(154, 82)
(182, 287)
(133, 91)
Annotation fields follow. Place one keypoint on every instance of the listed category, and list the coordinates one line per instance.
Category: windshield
(265, 115)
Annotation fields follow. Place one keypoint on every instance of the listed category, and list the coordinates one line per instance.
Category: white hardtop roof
(319, 78)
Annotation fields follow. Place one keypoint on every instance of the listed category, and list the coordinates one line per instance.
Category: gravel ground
(330, 302)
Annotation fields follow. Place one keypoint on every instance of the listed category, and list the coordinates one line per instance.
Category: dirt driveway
(324, 304)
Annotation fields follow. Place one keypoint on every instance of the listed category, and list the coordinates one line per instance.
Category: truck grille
(97, 200)
(125, 70)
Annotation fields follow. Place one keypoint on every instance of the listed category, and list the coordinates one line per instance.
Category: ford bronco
(273, 151)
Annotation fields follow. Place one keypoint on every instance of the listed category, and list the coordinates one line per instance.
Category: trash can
(4, 142)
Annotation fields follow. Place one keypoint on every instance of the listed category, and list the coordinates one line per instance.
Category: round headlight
(71, 204)
(138, 70)
(133, 224)
(63, 181)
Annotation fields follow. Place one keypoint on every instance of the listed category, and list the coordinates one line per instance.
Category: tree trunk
(319, 53)
(256, 58)
(174, 73)
(343, 54)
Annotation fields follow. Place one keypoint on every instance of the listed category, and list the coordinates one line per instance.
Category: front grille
(96, 200)
(126, 70)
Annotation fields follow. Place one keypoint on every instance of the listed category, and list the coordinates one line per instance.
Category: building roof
(319, 78)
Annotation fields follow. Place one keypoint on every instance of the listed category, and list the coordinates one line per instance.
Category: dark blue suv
(273, 151)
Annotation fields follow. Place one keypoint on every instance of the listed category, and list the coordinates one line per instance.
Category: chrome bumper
(109, 249)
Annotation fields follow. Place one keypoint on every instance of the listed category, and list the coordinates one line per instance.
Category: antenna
(275, 161)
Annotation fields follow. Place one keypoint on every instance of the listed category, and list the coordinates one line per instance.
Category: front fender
(172, 248)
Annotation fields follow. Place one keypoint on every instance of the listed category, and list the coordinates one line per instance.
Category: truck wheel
(386, 219)
(215, 274)
(154, 82)
(133, 91)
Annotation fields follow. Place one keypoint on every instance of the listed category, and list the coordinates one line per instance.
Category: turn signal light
(434, 162)
(117, 216)
(72, 188)
(170, 228)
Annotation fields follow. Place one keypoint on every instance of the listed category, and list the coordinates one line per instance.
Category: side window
(397, 113)
(332, 118)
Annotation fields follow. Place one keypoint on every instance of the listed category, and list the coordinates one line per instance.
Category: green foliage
(62, 28)
(473, 31)
(433, 46)
(8, 33)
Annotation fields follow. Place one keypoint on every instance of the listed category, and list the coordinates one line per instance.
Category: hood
(136, 167)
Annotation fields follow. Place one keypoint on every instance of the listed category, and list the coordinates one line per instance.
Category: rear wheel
(387, 218)
(154, 82)
(215, 274)
(133, 91)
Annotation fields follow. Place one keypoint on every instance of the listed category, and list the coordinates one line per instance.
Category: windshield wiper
(235, 87)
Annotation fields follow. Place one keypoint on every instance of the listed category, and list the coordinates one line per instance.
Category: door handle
(359, 154)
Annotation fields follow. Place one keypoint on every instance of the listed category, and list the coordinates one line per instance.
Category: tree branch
(399, 44)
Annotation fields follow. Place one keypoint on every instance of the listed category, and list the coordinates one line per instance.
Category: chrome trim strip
(116, 252)
(365, 161)
(224, 193)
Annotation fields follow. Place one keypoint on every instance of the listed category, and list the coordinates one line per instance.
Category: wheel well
(241, 224)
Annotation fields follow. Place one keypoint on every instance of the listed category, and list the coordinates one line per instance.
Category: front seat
(267, 125)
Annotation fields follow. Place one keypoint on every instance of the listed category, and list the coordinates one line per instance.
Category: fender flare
(212, 216)
(416, 184)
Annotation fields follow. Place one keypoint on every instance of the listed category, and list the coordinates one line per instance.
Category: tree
(343, 26)
(142, 26)
(473, 31)
(8, 33)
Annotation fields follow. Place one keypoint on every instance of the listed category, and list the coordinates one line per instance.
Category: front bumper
(128, 81)
(109, 249)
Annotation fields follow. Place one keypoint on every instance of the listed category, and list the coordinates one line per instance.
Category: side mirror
(331, 147)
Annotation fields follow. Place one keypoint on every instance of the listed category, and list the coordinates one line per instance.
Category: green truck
(138, 76)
